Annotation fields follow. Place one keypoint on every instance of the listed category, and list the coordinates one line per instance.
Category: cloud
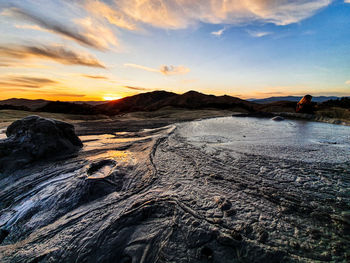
(348, 81)
(347, 1)
(135, 88)
(180, 14)
(219, 32)
(97, 32)
(173, 70)
(141, 67)
(258, 33)
(94, 76)
(26, 82)
(164, 69)
(67, 95)
(88, 33)
(112, 15)
(54, 52)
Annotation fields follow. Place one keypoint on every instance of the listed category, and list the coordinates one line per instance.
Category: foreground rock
(33, 138)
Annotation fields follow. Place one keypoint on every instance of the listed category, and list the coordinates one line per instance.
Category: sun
(111, 97)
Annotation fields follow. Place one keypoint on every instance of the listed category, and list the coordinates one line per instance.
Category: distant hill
(151, 101)
(36, 104)
(278, 106)
(68, 108)
(92, 102)
(137, 102)
(155, 100)
(292, 98)
(341, 103)
(196, 100)
(29, 104)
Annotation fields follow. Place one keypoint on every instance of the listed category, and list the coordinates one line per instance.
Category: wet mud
(217, 190)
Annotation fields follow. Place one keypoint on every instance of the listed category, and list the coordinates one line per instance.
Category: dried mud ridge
(153, 197)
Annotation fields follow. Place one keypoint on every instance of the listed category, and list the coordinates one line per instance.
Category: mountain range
(156, 100)
(292, 98)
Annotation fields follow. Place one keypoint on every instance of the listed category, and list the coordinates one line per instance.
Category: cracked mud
(216, 190)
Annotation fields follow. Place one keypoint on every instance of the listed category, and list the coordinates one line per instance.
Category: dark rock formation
(33, 138)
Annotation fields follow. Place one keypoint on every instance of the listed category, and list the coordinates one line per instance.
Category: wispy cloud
(94, 76)
(164, 69)
(135, 88)
(53, 52)
(258, 33)
(347, 1)
(348, 81)
(173, 70)
(25, 82)
(219, 32)
(86, 32)
(67, 95)
(130, 65)
(110, 13)
(179, 14)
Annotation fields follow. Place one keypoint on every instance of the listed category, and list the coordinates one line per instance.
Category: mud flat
(217, 190)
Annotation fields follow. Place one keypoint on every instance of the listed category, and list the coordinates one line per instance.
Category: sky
(79, 50)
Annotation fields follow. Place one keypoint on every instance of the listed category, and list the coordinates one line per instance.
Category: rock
(263, 236)
(207, 252)
(226, 205)
(33, 138)
(222, 203)
(277, 118)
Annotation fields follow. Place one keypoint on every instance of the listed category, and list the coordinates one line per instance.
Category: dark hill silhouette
(341, 103)
(33, 105)
(196, 100)
(156, 100)
(139, 102)
(69, 108)
(292, 98)
(278, 106)
(29, 104)
(12, 107)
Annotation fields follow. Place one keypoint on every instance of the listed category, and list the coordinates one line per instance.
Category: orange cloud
(25, 81)
(179, 14)
(85, 32)
(113, 16)
(94, 76)
(53, 52)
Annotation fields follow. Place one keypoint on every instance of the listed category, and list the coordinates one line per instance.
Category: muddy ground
(217, 190)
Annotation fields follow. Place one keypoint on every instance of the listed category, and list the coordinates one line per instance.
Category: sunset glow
(248, 49)
(111, 98)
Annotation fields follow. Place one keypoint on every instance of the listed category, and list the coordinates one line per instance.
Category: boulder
(33, 138)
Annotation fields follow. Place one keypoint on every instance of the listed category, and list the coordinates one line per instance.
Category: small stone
(226, 205)
(207, 252)
(263, 236)
(278, 118)
(217, 176)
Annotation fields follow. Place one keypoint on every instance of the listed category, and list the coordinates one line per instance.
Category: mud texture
(175, 194)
